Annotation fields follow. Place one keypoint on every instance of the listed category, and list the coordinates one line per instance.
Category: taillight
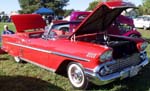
(142, 46)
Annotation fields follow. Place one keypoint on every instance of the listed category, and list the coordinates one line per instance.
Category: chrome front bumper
(94, 77)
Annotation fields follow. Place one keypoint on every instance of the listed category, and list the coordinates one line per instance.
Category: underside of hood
(102, 17)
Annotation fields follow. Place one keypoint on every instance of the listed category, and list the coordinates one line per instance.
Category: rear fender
(132, 32)
(2, 51)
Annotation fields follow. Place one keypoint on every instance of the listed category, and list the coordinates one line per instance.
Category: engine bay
(121, 47)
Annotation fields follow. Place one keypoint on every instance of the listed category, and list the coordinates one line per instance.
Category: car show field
(102, 48)
(88, 56)
(25, 74)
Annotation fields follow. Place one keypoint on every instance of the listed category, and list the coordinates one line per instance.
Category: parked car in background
(142, 22)
(124, 25)
(67, 26)
(79, 15)
(87, 55)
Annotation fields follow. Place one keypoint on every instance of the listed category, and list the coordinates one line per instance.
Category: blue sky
(83, 4)
(13, 5)
(9, 5)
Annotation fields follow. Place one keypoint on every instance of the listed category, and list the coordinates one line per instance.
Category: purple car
(124, 25)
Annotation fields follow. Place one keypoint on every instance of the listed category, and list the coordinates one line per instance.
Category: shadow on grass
(148, 40)
(3, 56)
(3, 59)
(140, 82)
(21, 83)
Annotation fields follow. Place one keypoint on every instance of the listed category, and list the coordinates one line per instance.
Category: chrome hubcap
(76, 75)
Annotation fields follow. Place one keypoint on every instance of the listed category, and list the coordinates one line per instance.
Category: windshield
(124, 24)
(61, 30)
(125, 28)
(67, 26)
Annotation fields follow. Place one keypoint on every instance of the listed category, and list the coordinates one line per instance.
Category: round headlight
(106, 56)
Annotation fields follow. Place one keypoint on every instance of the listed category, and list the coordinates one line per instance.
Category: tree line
(29, 6)
(143, 9)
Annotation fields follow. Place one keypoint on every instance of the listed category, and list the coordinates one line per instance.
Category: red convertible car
(88, 55)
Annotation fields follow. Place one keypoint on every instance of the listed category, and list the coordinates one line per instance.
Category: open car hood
(28, 21)
(102, 17)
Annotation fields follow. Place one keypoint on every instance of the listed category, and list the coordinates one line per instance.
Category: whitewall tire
(76, 76)
(17, 59)
(145, 28)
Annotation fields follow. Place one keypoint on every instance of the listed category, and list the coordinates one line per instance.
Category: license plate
(134, 71)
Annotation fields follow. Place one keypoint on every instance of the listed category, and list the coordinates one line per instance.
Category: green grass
(27, 77)
(146, 34)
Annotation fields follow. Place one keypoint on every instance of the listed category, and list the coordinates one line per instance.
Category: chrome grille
(125, 62)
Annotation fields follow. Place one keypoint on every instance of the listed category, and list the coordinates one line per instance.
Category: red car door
(36, 51)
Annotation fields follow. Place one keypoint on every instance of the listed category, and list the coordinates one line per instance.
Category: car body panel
(41, 51)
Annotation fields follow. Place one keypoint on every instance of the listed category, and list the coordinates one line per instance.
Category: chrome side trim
(70, 56)
(37, 49)
(42, 66)
(49, 52)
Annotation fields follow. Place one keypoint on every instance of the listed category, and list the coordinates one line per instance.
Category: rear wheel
(134, 36)
(17, 59)
(145, 28)
(76, 76)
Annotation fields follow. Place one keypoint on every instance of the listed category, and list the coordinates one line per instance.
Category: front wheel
(76, 76)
